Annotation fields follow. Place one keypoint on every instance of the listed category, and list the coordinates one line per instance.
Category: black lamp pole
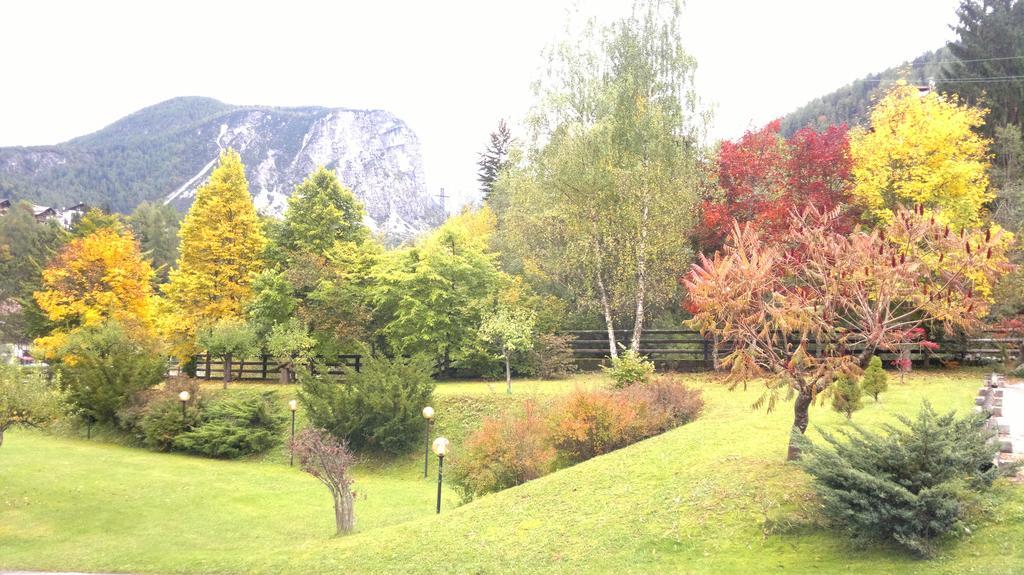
(184, 418)
(440, 465)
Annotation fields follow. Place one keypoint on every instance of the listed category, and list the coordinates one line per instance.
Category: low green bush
(377, 409)
(630, 368)
(234, 425)
(163, 422)
(910, 484)
(101, 368)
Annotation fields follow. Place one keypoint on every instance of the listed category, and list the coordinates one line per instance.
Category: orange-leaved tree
(848, 294)
(101, 276)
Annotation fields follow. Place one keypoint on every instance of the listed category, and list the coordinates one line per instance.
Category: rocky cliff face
(165, 152)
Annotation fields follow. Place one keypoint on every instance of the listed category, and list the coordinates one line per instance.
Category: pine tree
(494, 159)
(846, 396)
(988, 45)
(875, 380)
(220, 254)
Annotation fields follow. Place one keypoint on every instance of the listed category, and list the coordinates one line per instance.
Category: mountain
(164, 152)
(851, 104)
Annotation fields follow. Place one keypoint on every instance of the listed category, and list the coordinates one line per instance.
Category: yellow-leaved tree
(219, 255)
(922, 150)
(98, 277)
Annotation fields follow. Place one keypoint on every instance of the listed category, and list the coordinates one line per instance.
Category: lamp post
(440, 448)
(184, 397)
(428, 414)
(293, 406)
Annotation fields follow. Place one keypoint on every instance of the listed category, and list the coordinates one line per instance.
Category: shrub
(590, 423)
(328, 459)
(552, 357)
(162, 422)
(27, 399)
(875, 380)
(909, 485)
(377, 409)
(131, 415)
(235, 425)
(846, 395)
(507, 451)
(630, 368)
(102, 367)
(664, 403)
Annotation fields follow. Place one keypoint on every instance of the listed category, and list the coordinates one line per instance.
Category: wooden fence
(266, 367)
(688, 350)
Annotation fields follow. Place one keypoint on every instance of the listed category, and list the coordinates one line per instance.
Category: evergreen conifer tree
(493, 160)
(875, 380)
(846, 396)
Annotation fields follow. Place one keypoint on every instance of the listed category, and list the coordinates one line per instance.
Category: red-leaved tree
(850, 294)
(328, 459)
(763, 176)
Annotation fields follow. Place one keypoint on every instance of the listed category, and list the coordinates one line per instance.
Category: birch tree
(607, 194)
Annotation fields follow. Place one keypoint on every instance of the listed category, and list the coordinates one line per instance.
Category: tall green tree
(612, 189)
(989, 45)
(321, 211)
(25, 247)
(156, 227)
(494, 159)
(430, 297)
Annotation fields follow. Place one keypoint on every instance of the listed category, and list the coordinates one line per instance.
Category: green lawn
(711, 497)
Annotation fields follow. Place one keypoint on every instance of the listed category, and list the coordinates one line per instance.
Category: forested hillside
(851, 103)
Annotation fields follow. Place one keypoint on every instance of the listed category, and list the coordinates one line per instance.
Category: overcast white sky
(449, 68)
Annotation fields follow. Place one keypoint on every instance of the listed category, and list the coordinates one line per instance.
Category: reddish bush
(664, 403)
(588, 423)
(507, 451)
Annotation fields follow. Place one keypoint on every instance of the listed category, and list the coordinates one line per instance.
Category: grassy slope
(711, 497)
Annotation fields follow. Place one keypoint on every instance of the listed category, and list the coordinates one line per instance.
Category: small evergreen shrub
(910, 484)
(846, 395)
(630, 368)
(377, 409)
(162, 422)
(552, 357)
(234, 425)
(132, 414)
(875, 380)
(507, 451)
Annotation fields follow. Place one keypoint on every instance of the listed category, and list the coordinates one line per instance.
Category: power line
(964, 80)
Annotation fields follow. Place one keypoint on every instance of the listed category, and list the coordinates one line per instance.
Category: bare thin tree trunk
(508, 372)
(344, 512)
(227, 369)
(641, 281)
(606, 306)
(2, 430)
